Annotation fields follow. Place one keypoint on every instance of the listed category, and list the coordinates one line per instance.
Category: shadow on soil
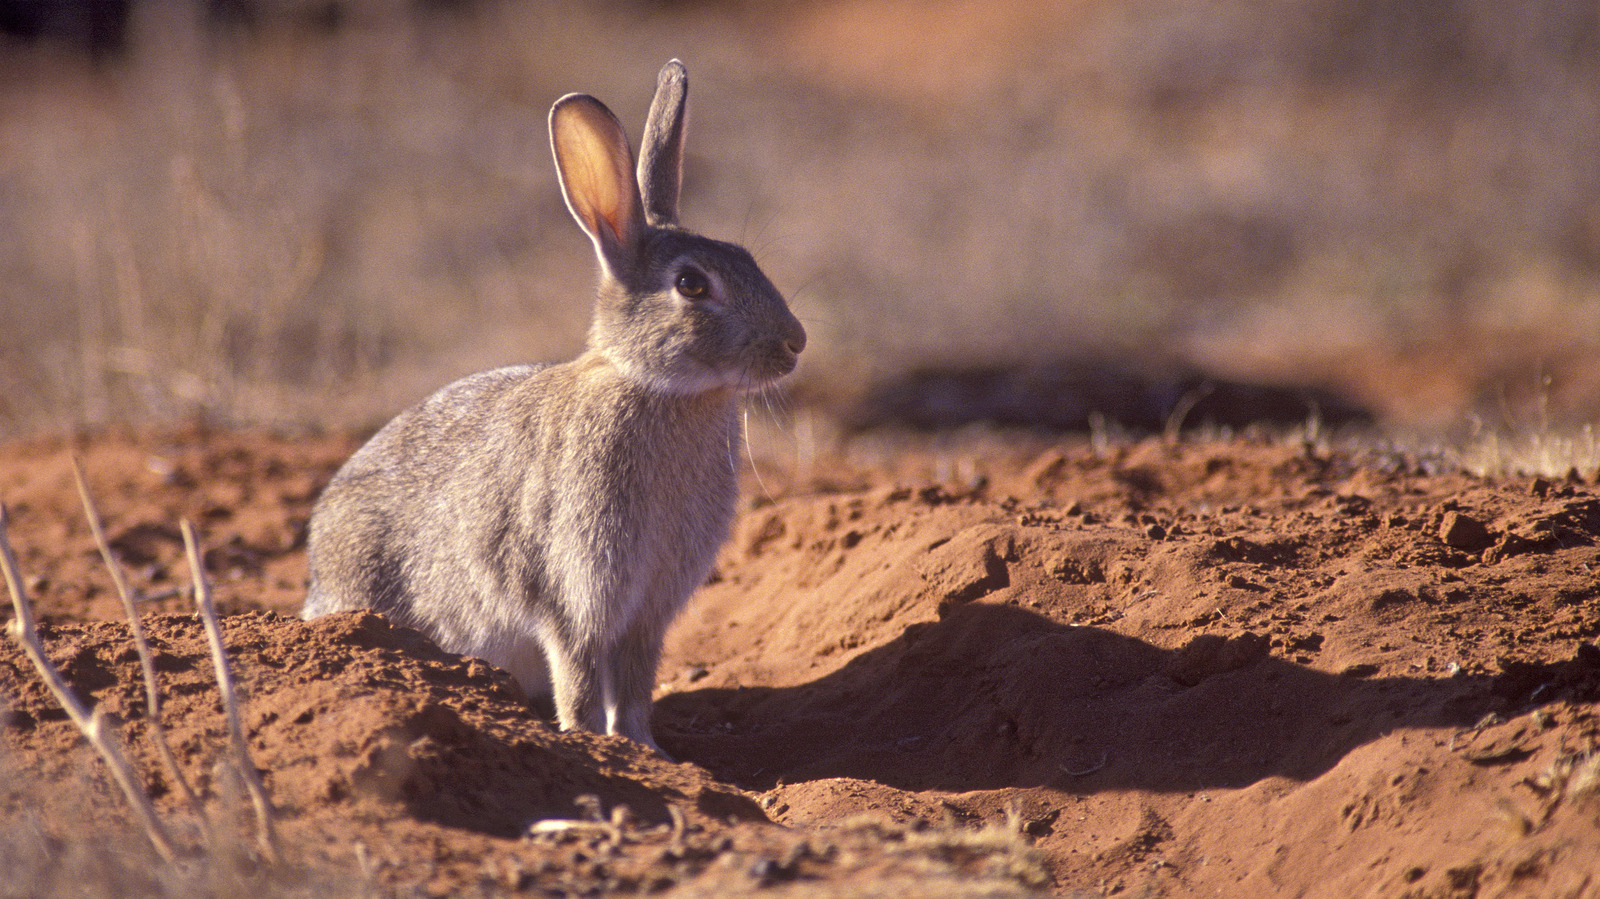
(1076, 394)
(994, 696)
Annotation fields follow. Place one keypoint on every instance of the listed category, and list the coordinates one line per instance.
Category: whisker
(812, 317)
(803, 288)
(750, 454)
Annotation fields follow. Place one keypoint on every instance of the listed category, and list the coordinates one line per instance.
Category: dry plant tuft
(1544, 451)
(1571, 778)
(93, 724)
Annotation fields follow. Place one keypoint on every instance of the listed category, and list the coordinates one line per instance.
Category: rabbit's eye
(693, 284)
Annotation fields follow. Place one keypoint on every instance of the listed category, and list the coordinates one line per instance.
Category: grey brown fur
(554, 519)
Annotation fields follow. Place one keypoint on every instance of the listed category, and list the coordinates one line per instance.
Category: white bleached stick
(266, 832)
(158, 733)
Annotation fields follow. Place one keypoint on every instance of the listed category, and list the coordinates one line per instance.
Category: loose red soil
(1240, 668)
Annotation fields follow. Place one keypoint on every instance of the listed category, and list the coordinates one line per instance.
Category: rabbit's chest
(680, 508)
(646, 506)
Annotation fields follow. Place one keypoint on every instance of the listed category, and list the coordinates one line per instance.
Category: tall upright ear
(661, 151)
(596, 171)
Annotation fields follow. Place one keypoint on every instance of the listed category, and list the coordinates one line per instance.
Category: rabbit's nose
(795, 340)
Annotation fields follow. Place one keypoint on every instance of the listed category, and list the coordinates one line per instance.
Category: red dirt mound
(1225, 668)
(427, 767)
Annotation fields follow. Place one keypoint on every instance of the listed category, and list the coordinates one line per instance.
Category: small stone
(1464, 532)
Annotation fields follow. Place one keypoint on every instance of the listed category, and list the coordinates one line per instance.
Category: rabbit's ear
(596, 170)
(661, 151)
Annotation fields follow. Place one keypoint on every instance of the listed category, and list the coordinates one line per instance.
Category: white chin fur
(688, 381)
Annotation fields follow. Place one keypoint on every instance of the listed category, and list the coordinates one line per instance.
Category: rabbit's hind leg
(630, 673)
(575, 680)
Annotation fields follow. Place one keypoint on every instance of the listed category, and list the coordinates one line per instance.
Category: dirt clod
(1463, 532)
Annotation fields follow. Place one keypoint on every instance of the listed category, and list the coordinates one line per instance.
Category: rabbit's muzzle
(782, 353)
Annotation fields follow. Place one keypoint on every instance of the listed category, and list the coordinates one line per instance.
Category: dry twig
(158, 733)
(1104, 756)
(266, 832)
(92, 724)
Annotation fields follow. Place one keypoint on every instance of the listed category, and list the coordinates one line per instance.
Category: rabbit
(554, 519)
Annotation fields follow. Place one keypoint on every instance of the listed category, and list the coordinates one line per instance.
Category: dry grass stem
(158, 733)
(24, 630)
(266, 831)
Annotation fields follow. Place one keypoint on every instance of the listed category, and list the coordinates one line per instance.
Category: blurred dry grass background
(309, 217)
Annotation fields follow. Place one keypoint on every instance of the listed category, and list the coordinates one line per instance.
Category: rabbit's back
(385, 531)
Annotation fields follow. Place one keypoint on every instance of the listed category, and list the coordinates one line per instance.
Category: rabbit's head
(681, 313)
